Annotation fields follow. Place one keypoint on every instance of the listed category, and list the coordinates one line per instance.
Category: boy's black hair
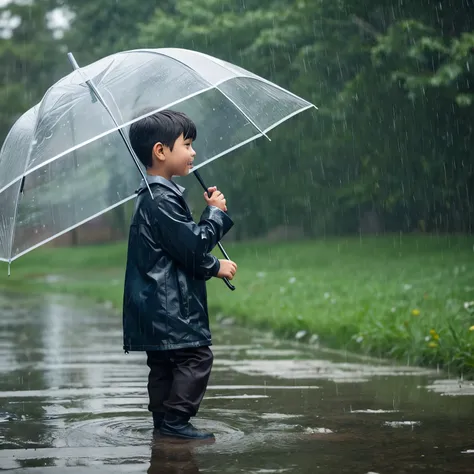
(165, 127)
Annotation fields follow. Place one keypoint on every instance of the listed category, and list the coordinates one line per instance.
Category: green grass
(398, 297)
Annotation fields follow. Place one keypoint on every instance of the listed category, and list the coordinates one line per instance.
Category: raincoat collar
(164, 182)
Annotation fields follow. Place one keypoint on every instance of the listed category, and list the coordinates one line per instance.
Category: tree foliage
(393, 81)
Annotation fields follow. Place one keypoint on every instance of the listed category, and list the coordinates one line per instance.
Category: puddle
(320, 370)
(318, 430)
(398, 424)
(277, 416)
(272, 352)
(452, 388)
(72, 402)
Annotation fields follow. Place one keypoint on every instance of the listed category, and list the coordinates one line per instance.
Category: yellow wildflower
(415, 312)
(433, 345)
(433, 332)
(471, 328)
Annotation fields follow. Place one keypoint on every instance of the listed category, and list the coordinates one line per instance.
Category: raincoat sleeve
(189, 243)
(209, 268)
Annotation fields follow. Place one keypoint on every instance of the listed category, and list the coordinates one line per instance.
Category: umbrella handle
(226, 280)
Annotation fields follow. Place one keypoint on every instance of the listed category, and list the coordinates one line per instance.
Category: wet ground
(72, 402)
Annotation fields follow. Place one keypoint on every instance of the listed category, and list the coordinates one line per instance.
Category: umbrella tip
(72, 60)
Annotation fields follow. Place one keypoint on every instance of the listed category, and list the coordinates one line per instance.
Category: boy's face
(179, 161)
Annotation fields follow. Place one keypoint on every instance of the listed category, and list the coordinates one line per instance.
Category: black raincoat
(168, 263)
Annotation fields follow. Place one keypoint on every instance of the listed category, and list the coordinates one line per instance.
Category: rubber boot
(177, 425)
(158, 420)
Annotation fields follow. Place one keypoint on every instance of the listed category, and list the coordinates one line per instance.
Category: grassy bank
(406, 298)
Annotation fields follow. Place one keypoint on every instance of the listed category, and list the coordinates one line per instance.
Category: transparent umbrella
(68, 159)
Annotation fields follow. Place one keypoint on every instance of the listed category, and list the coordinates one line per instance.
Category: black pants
(178, 379)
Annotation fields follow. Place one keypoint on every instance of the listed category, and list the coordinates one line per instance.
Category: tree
(393, 83)
(101, 27)
(28, 54)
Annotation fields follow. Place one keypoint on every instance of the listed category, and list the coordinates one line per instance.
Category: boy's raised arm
(187, 242)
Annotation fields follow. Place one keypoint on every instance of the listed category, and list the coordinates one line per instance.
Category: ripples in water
(72, 402)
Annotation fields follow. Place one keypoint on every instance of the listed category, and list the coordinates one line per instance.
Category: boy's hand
(217, 199)
(228, 269)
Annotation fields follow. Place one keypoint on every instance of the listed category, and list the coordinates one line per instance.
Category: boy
(168, 262)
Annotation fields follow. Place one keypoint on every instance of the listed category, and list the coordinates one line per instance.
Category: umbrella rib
(152, 51)
(12, 237)
(287, 117)
(22, 178)
(69, 106)
(243, 113)
(29, 249)
(2, 150)
(97, 93)
(252, 76)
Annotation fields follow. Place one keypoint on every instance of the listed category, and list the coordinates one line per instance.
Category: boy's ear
(158, 151)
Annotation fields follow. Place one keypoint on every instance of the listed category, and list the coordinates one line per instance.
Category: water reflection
(173, 456)
(68, 390)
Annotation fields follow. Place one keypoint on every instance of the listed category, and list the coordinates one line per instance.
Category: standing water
(72, 402)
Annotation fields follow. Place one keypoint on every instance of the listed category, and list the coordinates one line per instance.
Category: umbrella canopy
(66, 160)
